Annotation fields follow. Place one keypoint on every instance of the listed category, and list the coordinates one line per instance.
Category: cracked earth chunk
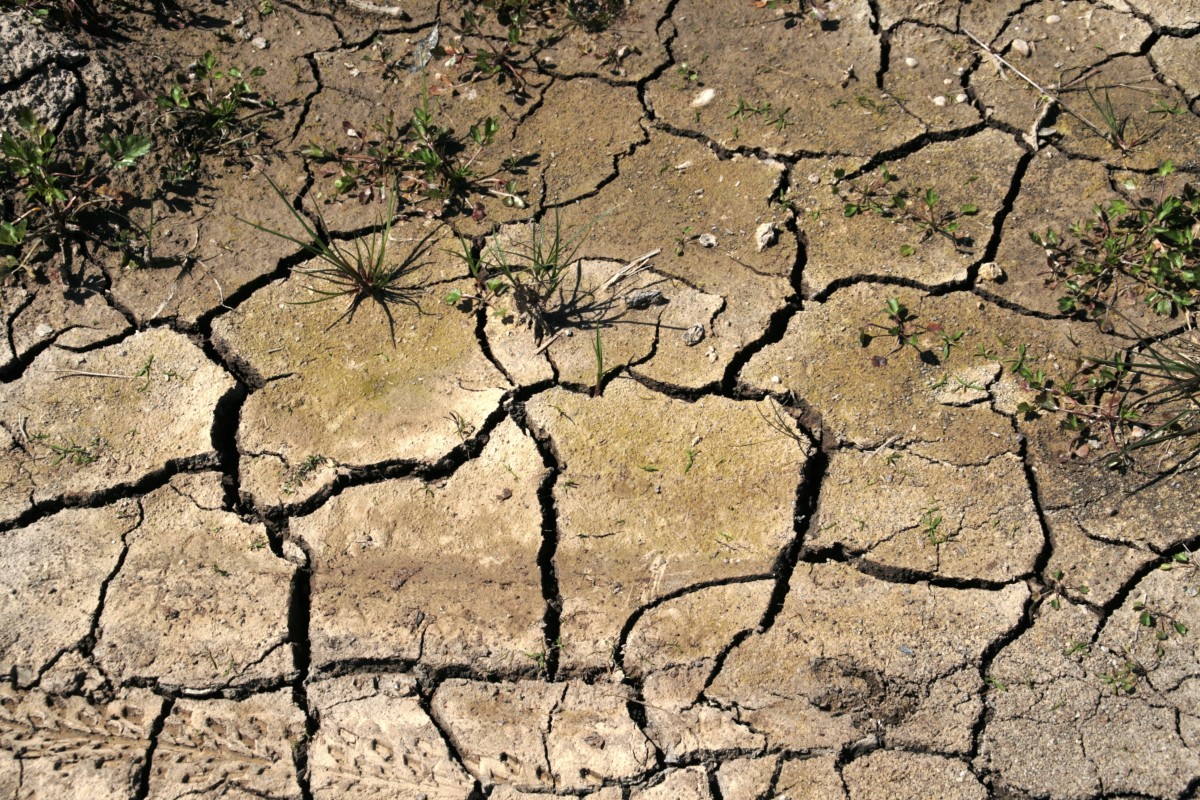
(509, 793)
(1075, 717)
(969, 523)
(894, 775)
(651, 500)
(31, 47)
(843, 247)
(852, 656)
(71, 322)
(1176, 60)
(569, 737)
(573, 153)
(1108, 505)
(16, 487)
(627, 52)
(499, 730)
(71, 749)
(148, 405)
(583, 306)
(1056, 193)
(821, 359)
(668, 192)
(746, 778)
(941, 61)
(1180, 15)
(1092, 569)
(1084, 36)
(814, 778)
(200, 602)
(673, 649)
(795, 68)
(445, 573)
(51, 574)
(374, 742)
(1137, 100)
(211, 254)
(682, 784)
(331, 392)
(228, 749)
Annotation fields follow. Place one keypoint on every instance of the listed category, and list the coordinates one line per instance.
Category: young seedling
(921, 208)
(902, 325)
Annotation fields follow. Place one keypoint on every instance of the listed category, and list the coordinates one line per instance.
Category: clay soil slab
(637, 521)
(336, 382)
(668, 193)
(51, 574)
(1076, 716)
(842, 247)
(849, 652)
(75, 320)
(568, 737)
(72, 749)
(375, 742)
(818, 81)
(144, 405)
(910, 776)
(228, 749)
(446, 573)
(970, 523)
(200, 602)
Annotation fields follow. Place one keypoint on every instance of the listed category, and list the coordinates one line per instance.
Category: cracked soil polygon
(200, 602)
(90, 422)
(51, 574)
(446, 572)
(650, 500)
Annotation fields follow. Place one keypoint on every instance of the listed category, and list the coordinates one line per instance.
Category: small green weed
(902, 325)
(212, 110)
(529, 274)
(424, 161)
(51, 195)
(1148, 248)
(919, 207)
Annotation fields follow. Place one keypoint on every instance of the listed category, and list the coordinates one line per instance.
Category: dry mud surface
(257, 548)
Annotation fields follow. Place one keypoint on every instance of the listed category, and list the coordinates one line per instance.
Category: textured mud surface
(251, 546)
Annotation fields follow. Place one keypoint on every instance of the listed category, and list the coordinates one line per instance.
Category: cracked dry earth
(301, 562)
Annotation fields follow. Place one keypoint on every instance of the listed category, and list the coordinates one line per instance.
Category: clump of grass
(529, 274)
(359, 272)
(1147, 248)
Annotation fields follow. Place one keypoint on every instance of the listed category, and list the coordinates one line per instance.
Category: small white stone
(776, 379)
(912, 62)
(940, 100)
(259, 42)
(1052, 19)
(1021, 47)
(707, 240)
(703, 98)
(764, 236)
(961, 97)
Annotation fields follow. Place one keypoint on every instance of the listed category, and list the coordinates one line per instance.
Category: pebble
(1052, 19)
(707, 240)
(693, 335)
(961, 97)
(259, 42)
(940, 100)
(1021, 47)
(912, 62)
(704, 98)
(764, 236)
(644, 298)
